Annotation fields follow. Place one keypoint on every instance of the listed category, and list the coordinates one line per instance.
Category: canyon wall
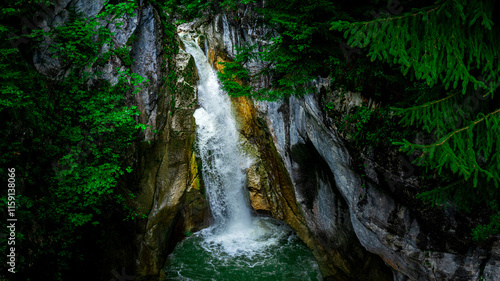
(356, 221)
(169, 192)
(344, 214)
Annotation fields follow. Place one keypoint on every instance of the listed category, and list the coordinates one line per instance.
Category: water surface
(269, 252)
(237, 246)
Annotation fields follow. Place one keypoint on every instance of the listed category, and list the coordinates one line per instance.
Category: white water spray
(218, 145)
(237, 246)
(235, 231)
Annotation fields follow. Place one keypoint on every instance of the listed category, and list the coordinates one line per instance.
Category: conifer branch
(458, 131)
(393, 18)
(426, 104)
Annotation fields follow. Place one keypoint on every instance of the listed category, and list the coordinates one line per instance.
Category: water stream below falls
(237, 246)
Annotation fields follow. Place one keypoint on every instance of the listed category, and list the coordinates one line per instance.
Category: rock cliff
(170, 198)
(348, 216)
(357, 226)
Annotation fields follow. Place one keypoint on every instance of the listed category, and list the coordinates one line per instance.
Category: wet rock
(383, 225)
(172, 186)
(306, 149)
(88, 8)
(492, 265)
(324, 224)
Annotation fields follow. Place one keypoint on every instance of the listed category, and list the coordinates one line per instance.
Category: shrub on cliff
(435, 64)
(65, 136)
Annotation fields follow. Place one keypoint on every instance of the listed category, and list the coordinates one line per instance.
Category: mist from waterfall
(237, 246)
(217, 141)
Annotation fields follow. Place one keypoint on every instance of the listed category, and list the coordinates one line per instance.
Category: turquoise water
(237, 246)
(271, 252)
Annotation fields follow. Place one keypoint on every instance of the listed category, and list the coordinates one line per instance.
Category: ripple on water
(268, 250)
(237, 246)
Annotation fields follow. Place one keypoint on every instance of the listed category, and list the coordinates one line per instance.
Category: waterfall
(218, 147)
(235, 231)
(237, 246)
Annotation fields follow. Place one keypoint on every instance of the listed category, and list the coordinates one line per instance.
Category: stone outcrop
(321, 205)
(357, 223)
(351, 219)
(382, 224)
(170, 185)
(170, 198)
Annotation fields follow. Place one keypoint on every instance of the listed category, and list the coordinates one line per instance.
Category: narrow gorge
(219, 186)
(237, 245)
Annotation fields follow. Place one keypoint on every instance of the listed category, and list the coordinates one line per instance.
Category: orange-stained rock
(211, 56)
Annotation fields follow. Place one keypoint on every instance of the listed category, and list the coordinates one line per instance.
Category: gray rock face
(307, 150)
(382, 225)
(169, 189)
(343, 210)
(145, 53)
(145, 49)
(88, 8)
(492, 269)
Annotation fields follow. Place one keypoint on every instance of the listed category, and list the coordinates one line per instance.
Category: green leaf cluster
(452, 46)
(66, 138)
(371, 128)
(449, 43)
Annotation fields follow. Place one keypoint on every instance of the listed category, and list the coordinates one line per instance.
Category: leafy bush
(66, 138)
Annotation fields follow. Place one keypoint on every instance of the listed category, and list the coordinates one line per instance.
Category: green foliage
(465, 142)
(451, 46)
(300, 48)
(66, 138)
(74, 41)
(190, 9)
(371, 127)
(124, 54)
(448, 43)
(293, 58)
(115, 11)
(235, 76)
(482, 232)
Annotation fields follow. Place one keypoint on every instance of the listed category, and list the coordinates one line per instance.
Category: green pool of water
(268, 250)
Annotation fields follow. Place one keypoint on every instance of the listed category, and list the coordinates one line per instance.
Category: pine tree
(452, 46)
(437, 65)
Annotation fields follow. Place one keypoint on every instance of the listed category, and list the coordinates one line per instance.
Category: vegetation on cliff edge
(65, 136)
(430, 67)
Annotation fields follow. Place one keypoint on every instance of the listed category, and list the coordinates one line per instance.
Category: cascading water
(217, 140)
(237, 246)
